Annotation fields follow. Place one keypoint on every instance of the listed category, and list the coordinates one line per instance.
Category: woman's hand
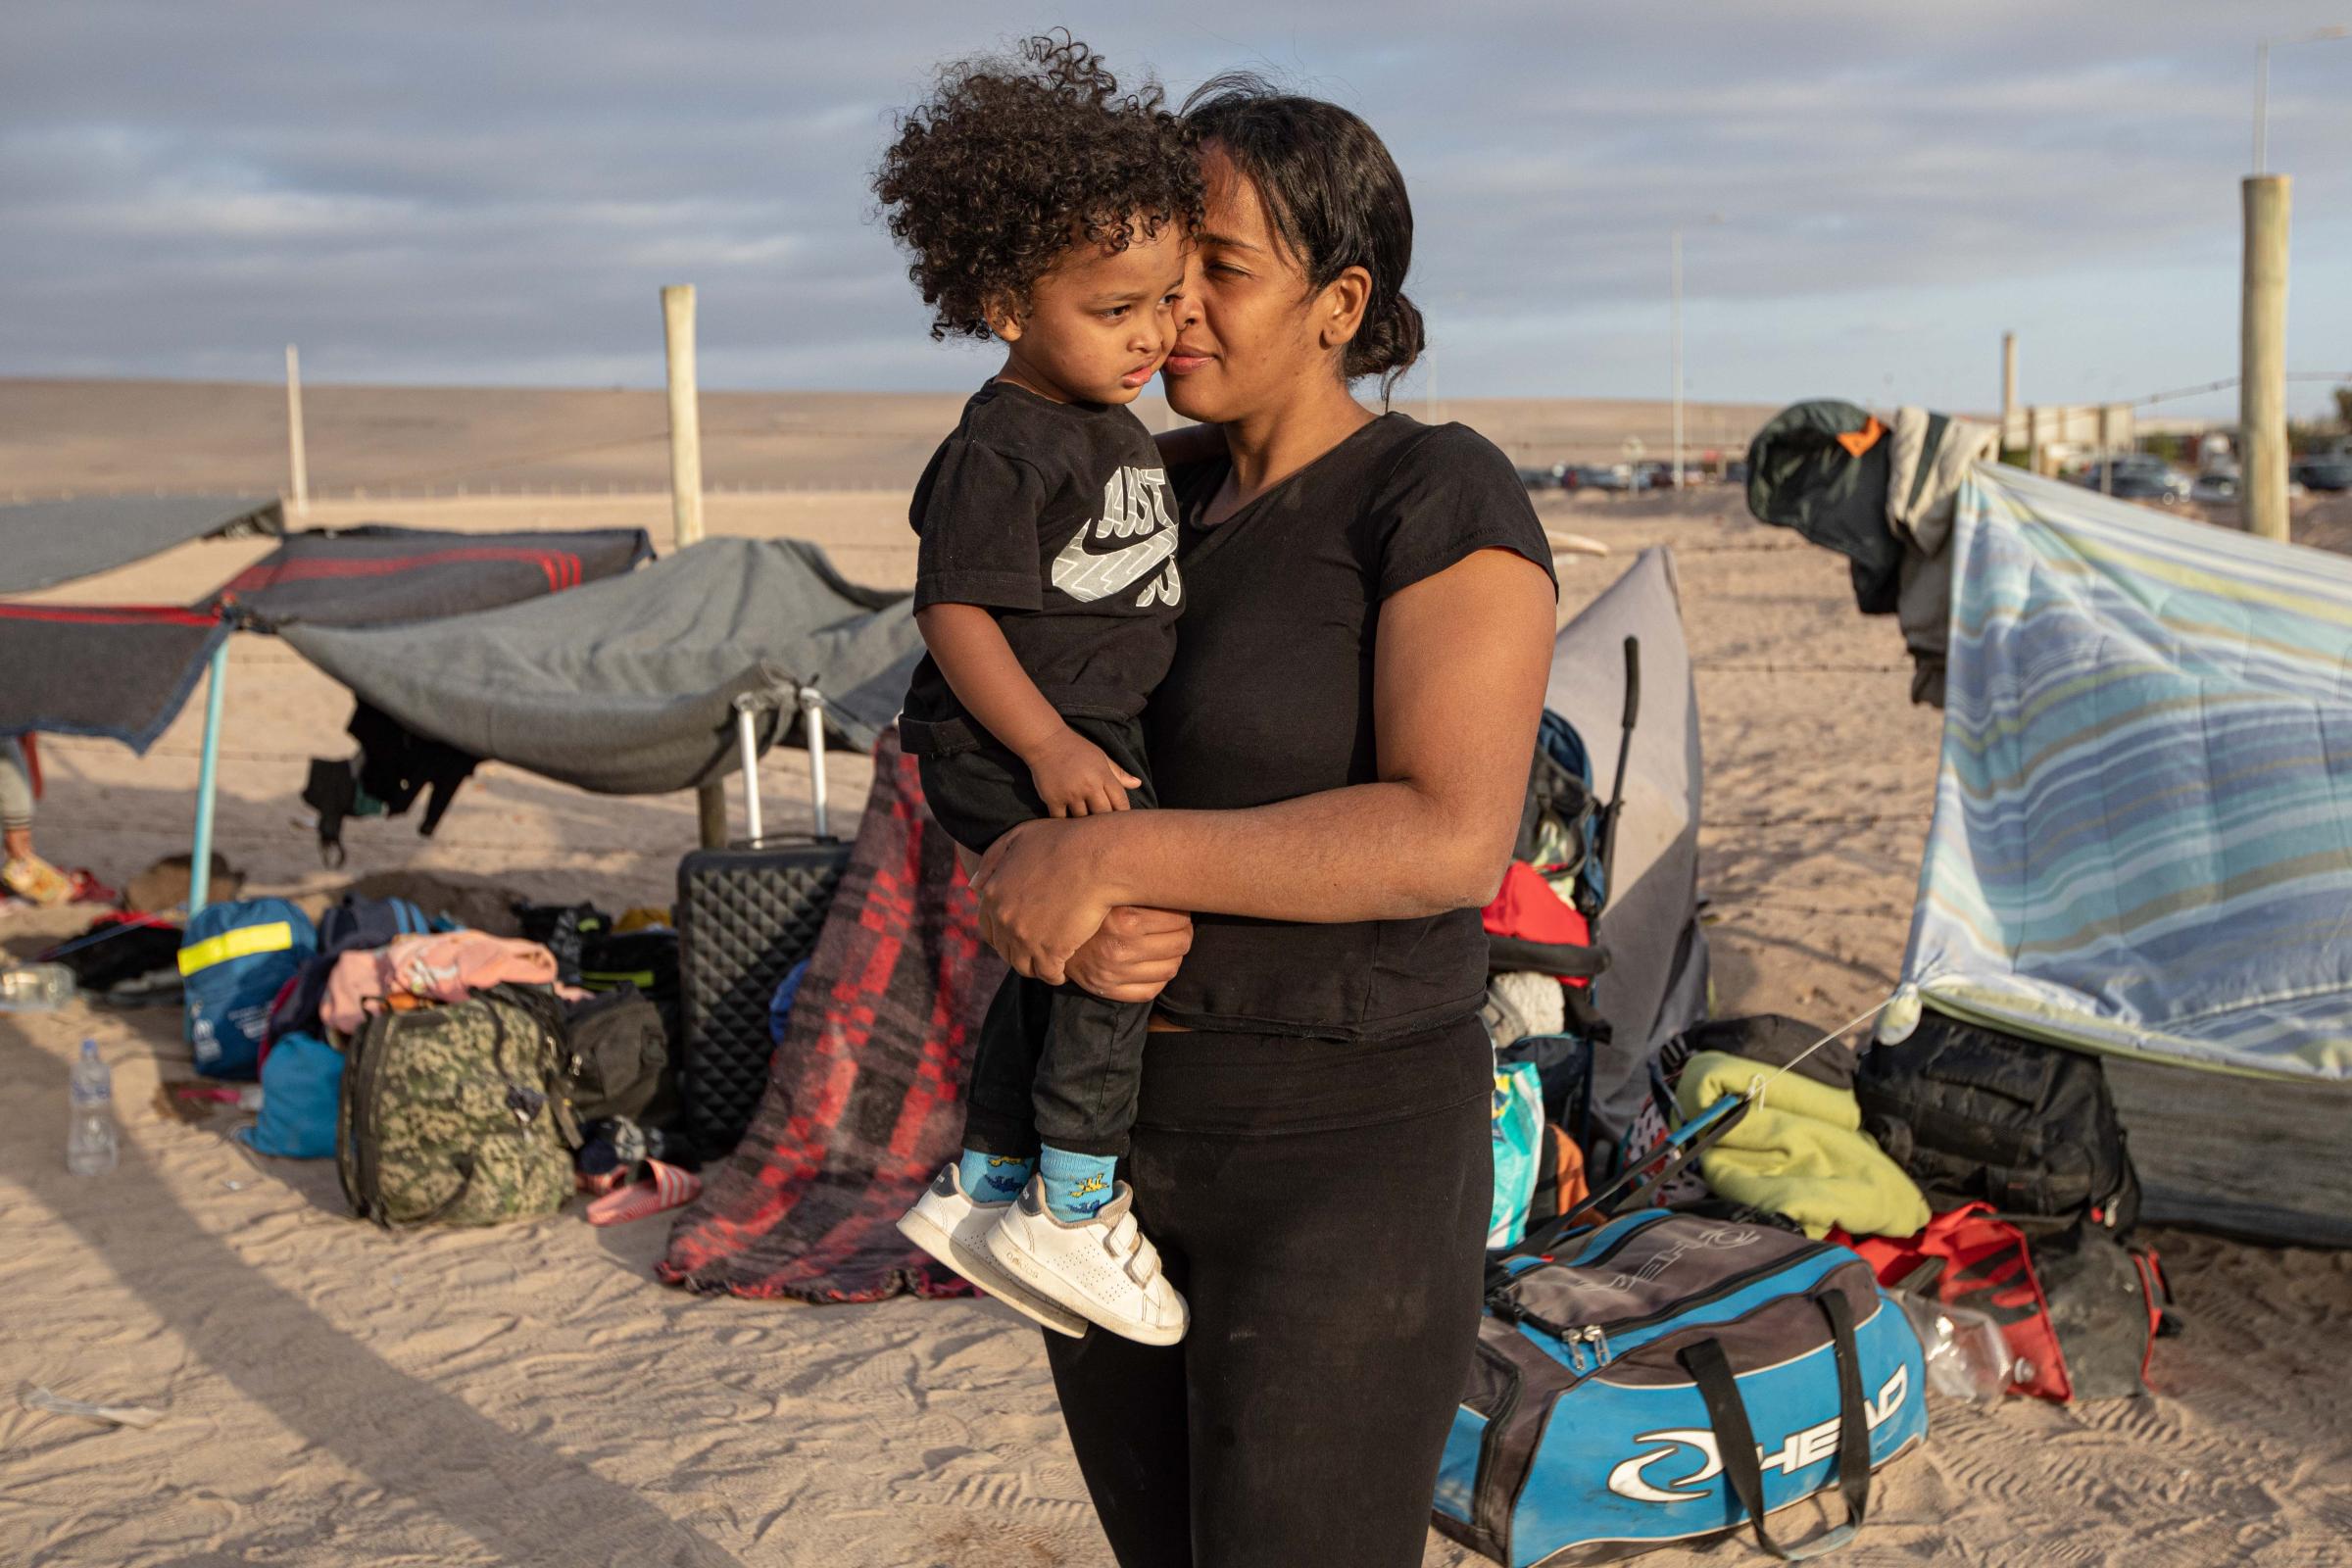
(1038, 904)
(1134, 956)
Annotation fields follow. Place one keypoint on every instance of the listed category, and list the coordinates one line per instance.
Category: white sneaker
(1102, 1268)
(953, 1228)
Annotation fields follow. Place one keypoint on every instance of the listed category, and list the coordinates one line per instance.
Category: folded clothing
(444, 966)
(1799, 1151)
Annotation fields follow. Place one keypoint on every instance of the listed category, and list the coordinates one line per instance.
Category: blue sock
(992, 1178)
(1076, 1184)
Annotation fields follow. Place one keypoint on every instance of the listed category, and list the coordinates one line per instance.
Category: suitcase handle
(812, 705)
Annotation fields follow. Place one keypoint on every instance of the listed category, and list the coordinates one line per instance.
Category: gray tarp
(1657, 984)
(43, 542)
(627, 686)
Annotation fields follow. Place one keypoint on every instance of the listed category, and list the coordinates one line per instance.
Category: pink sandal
(665, 1188)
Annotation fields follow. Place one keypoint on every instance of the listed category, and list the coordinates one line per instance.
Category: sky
(1870, 194)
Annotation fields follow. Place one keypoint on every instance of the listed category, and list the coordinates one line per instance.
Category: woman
(1343, 749)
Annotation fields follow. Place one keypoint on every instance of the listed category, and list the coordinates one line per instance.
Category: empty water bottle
(90, 1144)
(1967, 1356)
(36, 988)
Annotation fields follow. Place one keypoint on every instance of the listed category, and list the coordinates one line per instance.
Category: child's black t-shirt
(1056, 517)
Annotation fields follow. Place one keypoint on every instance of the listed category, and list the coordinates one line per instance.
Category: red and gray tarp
(122, 672)
(115, 670)
(380, 575)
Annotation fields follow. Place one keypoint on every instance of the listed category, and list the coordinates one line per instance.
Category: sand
(529, 1395)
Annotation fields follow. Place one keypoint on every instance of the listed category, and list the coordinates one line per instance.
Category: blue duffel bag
(1664, 1377)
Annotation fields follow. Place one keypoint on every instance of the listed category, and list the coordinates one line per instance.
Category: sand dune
(530, 1397)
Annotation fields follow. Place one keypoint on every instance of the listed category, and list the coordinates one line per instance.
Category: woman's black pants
(1324, 1208)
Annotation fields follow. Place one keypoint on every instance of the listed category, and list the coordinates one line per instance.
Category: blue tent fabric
(43, 542)
(2142, 834)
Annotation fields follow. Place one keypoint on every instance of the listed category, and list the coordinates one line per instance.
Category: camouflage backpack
(457, 1115)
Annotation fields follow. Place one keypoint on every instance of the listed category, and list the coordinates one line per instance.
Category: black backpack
(620, 1057)
(1975, 1113)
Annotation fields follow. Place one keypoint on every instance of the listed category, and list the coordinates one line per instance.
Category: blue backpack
(1663, 1377)
(234, 958)
(302, 1090)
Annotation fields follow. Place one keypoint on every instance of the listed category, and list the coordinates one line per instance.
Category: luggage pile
(1742, 1297)
(456, 1078)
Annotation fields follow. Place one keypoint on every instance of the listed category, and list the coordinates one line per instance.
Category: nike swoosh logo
(1088, 577)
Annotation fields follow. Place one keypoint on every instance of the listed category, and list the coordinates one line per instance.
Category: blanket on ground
(865, 1100)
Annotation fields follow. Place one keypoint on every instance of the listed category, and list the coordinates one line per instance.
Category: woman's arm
(1457, 688)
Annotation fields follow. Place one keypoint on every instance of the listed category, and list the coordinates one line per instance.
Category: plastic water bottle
(1967, 1356)
(90, 1144)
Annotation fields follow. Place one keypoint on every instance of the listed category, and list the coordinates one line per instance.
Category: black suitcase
(745, 914)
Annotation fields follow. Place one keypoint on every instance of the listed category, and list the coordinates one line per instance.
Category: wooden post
(294, 446)
(2106, 449)
(685, 418)
(2262, 360)
(2008, 385)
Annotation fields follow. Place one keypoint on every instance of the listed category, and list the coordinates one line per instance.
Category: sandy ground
(529, 1395)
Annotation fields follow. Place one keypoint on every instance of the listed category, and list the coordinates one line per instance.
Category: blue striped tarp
(2142, 840)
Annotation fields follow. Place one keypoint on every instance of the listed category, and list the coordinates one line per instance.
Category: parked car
(2322, 471)
(2218, 482)
(1552, 477)
(2137, 477)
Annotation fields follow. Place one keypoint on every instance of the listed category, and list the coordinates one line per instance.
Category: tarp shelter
(2142, 836)
(380, 574)
(1657, 982)
(122, 671)
(630, 686)
(43, 542)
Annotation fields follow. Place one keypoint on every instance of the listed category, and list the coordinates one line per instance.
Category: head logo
(1798, 1449)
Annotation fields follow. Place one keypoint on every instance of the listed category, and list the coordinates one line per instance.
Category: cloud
(440, 192)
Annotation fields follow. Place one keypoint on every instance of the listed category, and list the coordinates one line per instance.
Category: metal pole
(685, 418)
(747, 740)
(2106, 449)
(200, 865)
(813, 724)
(294, 442)
(2262, 358)
(1678, 359)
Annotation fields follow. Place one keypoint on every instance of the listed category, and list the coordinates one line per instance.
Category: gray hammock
(632, 685)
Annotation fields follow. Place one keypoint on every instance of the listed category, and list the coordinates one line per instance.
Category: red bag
(1988, 1265)
(1531, 928)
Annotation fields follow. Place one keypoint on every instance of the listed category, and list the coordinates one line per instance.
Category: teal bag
(302, 1085)
(1518, 1151)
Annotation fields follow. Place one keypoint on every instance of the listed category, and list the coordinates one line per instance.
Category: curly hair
(1012, 161)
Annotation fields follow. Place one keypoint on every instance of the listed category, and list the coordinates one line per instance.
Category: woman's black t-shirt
(1270, 697)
